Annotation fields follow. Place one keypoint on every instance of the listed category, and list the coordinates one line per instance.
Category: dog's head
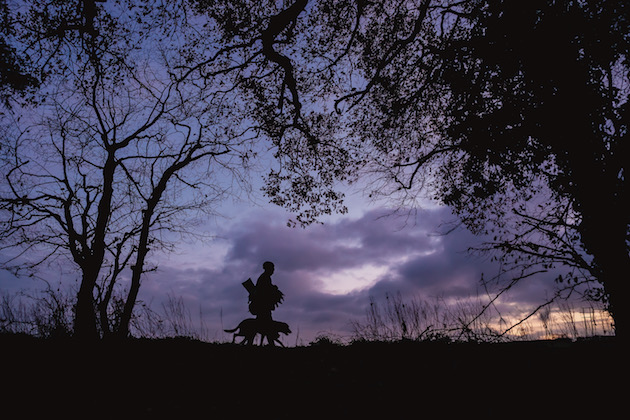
(283, 327)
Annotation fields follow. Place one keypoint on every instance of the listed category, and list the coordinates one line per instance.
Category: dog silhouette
(248, 328)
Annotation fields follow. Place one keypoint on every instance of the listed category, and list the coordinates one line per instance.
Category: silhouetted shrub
(46, 314)
(326, 340)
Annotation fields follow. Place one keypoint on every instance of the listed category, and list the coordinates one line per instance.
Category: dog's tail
(231, 331)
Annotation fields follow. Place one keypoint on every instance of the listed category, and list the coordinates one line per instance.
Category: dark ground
(179, 378)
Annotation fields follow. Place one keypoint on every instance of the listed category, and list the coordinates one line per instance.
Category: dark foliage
(15, 74)
(513, 113)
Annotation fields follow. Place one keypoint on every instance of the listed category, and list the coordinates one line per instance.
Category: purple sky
(327, 272)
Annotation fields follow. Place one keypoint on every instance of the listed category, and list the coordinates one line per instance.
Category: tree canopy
(513, 113)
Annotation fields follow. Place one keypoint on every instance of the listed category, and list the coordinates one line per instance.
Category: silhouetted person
(265, 297)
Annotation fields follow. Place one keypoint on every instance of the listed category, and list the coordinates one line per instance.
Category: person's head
(268, 267)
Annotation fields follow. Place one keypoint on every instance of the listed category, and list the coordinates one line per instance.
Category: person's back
(266, 296)
(264, 281)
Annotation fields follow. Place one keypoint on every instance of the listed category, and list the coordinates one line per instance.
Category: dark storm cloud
(345, 244)
(413, 259)
(448, 270)
(303, 257)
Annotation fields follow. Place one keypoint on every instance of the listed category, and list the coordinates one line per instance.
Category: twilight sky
(327, 272)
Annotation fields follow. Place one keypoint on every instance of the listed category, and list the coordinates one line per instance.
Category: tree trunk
(616, 289)
(132, 296)
(604, 229)
(614, 268)
(137, 268)
(85, 315)
(143, 250)
(85, 322)
(143, 242)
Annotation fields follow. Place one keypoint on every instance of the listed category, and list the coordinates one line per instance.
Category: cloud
(446, 270)
(346, 244)
(328, 272)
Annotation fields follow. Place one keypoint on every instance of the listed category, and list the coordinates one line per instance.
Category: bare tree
(124, 143)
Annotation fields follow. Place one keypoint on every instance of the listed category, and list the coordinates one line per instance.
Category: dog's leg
(271, 337)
